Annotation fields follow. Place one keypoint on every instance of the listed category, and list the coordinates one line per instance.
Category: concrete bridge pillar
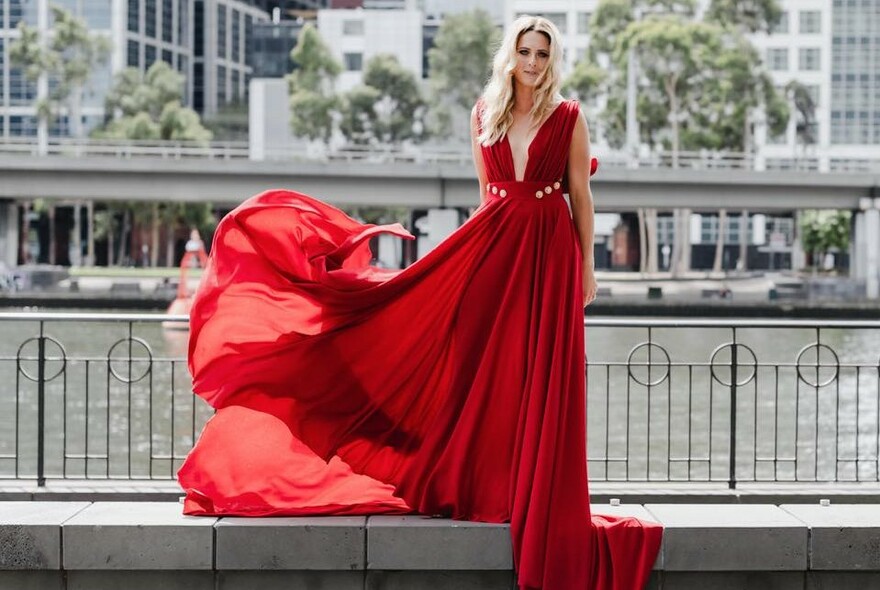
(867, 245)
(8, 233)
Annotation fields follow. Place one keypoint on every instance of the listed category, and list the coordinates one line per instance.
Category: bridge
(228, 181)
(224, 175)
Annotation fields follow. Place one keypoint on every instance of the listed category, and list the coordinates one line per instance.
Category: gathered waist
(534, 189)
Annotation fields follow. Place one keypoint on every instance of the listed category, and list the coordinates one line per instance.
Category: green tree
(459, 65)
(147, 106)
(586, 81)
(313, 101)
(824, 231)
(387, 108)
(67, 58)
(805, 112)
(744, 89)
(751, 15)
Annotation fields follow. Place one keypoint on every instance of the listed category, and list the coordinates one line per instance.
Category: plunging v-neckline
(529, 146)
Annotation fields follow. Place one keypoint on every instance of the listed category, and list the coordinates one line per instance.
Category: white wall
(398, 32)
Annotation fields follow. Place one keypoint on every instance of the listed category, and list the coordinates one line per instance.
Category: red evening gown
(454, 387)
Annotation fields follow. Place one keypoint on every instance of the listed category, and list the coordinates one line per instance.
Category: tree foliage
(313, 101)
(149, 107)
(824, 231)
(805, 112)
(387, 107)
(68, 57)
(701, 83)
(751, 15)
(459, 66)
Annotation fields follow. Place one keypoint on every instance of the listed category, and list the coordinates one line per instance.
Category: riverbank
(697, 294)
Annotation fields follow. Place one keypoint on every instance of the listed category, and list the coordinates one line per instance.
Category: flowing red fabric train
(454, 386)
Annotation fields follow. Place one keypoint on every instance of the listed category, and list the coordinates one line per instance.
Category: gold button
(503, 193)
(494, 190)
(548, 189)
(556, 185)
(539, 194)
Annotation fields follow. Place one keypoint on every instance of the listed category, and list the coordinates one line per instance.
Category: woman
(453, 387)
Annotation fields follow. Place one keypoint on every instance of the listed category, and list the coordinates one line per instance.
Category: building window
(236, 36)
(777, 59)
(353, 28)
(199, 41)
(353, 61)
(583, 27)
(221, 85)
(815, 92)
(150, 18)
(558, 19)
(198, 86)
(781, 26)
(22, 126)
(236, 85)
(168, 57)
(149, 55)
(167, 21)
(97, 14)
(810, 22)
(183, 24)
(248, 40)
(134, 8)
(808, 59)
(221, 31)
(133, 54)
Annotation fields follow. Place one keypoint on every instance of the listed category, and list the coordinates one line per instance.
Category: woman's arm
(582, 201)
(478, 155)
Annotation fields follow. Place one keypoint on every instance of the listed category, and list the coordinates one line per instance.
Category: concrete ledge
(318, 543)
(137, 536)
(424, 543)
(30, 533)
(145, 545)
(746, 537)
(842, 537)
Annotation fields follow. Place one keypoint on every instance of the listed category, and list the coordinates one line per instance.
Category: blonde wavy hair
(496, 114)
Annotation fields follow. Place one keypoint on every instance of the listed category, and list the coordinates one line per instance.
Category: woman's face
(532, 57)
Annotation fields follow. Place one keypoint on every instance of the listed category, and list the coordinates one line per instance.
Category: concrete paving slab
(842, 536)
(30, 534)
(317, 543)
(138, 536)
(744, 537)
(424, 543)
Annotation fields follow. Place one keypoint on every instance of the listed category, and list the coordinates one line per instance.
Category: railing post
(41, 407)
(731, 481)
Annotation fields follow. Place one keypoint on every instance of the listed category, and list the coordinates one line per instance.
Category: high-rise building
(223, 51)
(355, 36)
(208, 41)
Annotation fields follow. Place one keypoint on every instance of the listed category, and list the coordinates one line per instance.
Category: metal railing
(395, 154)
(668, 400)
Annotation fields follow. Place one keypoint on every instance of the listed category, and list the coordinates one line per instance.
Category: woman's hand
(590, 286)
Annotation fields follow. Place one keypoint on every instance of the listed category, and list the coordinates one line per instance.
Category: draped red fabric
(453, 387)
